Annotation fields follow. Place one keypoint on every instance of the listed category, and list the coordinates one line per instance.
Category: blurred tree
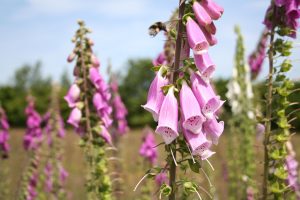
(133, 90)
(65, 79)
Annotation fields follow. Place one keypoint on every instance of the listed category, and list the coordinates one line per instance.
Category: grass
(132, 165)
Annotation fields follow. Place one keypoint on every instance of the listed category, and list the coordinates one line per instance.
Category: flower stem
(268, 116)
(173, 77)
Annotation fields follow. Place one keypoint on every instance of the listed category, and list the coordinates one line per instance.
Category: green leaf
(281, 173)
(286, 65)
(195, 167)
(165, 189)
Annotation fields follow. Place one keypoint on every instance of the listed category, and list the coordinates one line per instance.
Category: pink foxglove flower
(155, 94)
(33, 135)
(168, 118)
(95, 61)
(99, 102)
(205, 65)
(201, 15)
(75, 117)
(147, 149)
(72, 95)
(160, 60)
(196, 38)
(105, 135)
(161, 178)
(211, 39)
(192, 116)
(206, 96)
(213, 129)
(198, 143)
(4, 135)
(214, 10)
(71, 57)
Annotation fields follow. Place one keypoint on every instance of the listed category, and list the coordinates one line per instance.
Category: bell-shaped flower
(155, 94)
(75, 117)
(161, 178)
(71, 57)
(206, 154)
(72, 95)
(197, 142)
(214, 10)
(206, 96)
(95, 61)
(160, 60)
(105, 135)
(192, 116)
(210, 29)
(210, 38)
(63, 174)
(205, 65)
(147, 149)
(98, 101)
(95, 77)
(196, 38)
(213, 129)
(168, 118)
(201, 15)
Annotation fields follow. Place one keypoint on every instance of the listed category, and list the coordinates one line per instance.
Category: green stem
(268, 116)
(173, 77)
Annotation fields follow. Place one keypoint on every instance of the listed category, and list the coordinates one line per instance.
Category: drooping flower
(207, 99)
(4, 135)
(161, 178)
(33, 135)
(256, 59)
(292, 169)
(198, 143)
(147, 149)
(192, 116)
(155, 95)
(201, 14)
(213, 129)
(214, 10)
(196, 38)
(105, 135)
(72, 95)
(205, 65)
(160, 60)
(284, 14)
(168, 118)
(75, 117)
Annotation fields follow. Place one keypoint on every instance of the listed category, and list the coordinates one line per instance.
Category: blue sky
(33, 30)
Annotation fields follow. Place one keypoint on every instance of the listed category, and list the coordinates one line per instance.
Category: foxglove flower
(105, 135)
(213, 129)
(4, 135)
(161, 178)
(95, 61)
(257, 58)
(196, 38)
(33, 135)
(201, 15)
(147, 149)
(205, 65)
(168, 118)
(198, 143)
(75, 117)
(160, 60)
(72, 95)
(155, 94)
(192, 116)
(214, 10)
(206, 96)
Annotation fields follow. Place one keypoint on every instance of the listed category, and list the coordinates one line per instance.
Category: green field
(133, 166)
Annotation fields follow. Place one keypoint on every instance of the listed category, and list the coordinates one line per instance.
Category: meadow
(132, 164)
